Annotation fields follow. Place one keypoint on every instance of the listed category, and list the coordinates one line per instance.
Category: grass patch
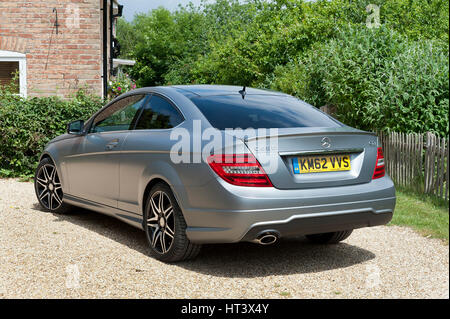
(426, 215)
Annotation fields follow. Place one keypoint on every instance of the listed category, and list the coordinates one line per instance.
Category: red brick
(56, 63)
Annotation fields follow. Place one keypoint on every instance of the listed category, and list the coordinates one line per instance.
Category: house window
(10, 63)
(7, 72)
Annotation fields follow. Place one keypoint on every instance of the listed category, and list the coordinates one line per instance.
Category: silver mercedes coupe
(203, 164)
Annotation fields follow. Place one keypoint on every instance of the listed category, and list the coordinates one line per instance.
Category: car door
(93, 168)
(147, 145)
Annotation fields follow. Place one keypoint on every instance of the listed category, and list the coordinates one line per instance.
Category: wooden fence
(418, 161)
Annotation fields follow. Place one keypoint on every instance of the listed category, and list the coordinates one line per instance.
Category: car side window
(119, 116)
(158, 113)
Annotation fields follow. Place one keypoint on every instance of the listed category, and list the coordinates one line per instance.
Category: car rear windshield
(260, 111)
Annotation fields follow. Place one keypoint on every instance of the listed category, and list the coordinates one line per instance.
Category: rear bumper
(230, 213)
(320, 223)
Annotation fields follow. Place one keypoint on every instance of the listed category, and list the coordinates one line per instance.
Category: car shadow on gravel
(246, 260)
(286, 257)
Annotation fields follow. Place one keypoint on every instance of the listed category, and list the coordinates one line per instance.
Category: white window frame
(10, 56)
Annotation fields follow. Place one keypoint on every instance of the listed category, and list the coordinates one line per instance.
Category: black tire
(330, 238)
(47, 186)
(172, 244)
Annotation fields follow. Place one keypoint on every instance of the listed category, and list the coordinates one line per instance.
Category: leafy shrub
(278, 32)
(375, 78)
(162, 39)
(416, 19)
(27, 124)
(168, 44)
(127, 35)
(232, 42)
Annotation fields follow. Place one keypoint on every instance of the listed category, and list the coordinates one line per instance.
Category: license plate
(318, 164)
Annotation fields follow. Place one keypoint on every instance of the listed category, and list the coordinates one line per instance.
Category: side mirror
(75, 127)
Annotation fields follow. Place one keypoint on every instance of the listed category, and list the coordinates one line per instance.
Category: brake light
(239, 169)
(379, 167)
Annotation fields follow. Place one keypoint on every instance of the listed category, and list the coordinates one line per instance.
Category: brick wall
(57, 64)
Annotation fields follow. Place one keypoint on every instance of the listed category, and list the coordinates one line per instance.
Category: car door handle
(111, 144)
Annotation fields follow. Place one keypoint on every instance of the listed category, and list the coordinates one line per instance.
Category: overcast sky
(130, 7)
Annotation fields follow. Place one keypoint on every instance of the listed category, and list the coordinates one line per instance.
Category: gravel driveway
(85, 254)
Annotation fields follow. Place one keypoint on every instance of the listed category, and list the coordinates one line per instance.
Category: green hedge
(376, 79)
(26, 125)
(242, 42)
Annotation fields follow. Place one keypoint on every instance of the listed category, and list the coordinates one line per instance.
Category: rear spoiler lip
(356, 132)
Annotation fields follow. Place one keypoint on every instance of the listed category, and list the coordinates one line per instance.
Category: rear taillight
(379, 167)
(239, 169)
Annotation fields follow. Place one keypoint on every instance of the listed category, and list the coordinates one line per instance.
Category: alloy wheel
(49, 187)
(161, 222)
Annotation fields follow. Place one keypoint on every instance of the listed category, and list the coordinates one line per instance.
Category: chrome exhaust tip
(266, 238)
